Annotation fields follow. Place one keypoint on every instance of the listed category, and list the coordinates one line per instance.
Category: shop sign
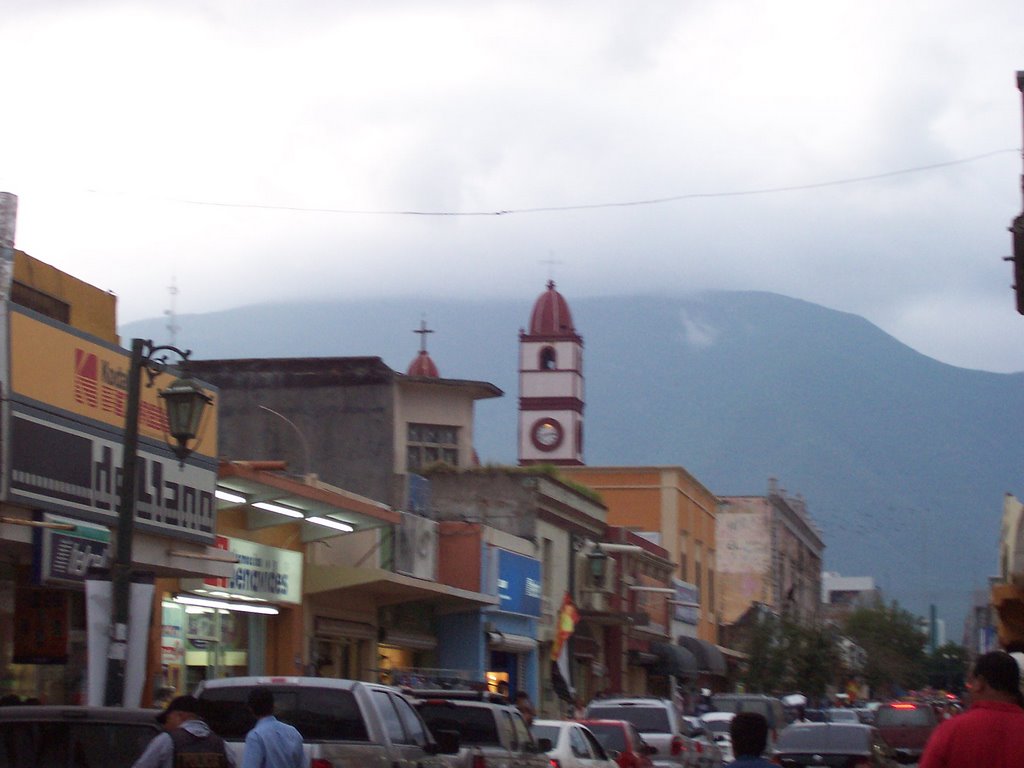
(263, 572)
(55, 465)
(63, 557)
(518, 583)
(87, 379)
(686, 593)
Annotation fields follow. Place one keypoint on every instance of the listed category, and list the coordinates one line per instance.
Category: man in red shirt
(990, 734)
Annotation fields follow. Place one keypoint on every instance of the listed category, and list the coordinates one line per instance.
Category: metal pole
(121, 572)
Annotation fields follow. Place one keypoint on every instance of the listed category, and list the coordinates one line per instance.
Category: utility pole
(1017, 228)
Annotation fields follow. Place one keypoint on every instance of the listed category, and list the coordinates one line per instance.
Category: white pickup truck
(344, 723)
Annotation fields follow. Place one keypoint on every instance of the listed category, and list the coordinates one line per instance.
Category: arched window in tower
(547, 359)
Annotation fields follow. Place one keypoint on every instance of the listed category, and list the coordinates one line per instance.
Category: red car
(622, 741)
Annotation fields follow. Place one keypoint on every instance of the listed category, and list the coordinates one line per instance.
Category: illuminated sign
(263, 572)
(64, 556)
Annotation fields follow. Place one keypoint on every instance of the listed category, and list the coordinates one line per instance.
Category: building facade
(770, 553)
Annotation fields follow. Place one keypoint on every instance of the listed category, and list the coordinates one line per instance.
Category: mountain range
(902, 460)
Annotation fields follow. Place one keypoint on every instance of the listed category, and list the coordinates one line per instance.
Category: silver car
(660, 724)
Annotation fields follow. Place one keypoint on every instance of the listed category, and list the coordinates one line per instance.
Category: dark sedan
(833, 745)
(74, 737)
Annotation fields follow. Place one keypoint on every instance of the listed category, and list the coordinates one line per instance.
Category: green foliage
(788, 656)
(947, 668)
(894, 646)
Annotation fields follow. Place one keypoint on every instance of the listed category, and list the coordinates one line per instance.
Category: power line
(596, 206)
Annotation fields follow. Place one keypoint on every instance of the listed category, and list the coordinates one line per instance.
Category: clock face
(547, 434)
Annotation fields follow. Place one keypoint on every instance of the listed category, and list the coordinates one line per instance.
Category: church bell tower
(550, 385)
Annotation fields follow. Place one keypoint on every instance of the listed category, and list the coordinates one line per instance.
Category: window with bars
(428, 444)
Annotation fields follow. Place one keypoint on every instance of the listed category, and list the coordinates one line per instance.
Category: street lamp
(597, 561)
(184, 401)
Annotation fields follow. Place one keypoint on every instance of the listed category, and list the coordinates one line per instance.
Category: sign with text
(83, 376)
(689, 594)
(519, 584)
(264, 572)
(63, 557)
(55, 465)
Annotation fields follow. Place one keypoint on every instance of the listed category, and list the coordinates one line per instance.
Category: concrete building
(841, 594)
(352, 421)
(769, 552)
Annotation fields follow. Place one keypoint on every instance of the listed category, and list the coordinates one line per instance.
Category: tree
(894, 646)
(788, 656)
(946, 668)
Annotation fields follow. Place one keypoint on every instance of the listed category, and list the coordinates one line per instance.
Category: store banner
(262, 573)
(518, 583)
(98, 610)
(64, 556)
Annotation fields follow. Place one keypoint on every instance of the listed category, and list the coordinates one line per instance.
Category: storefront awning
(503, 641)
(387, 587)
(672, 660)
(709, 658)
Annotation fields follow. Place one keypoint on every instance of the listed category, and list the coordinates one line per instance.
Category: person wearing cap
(187, 741)
(270, 743)
(990, 734)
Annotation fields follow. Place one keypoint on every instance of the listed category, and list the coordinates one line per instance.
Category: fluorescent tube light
(234, 498)
(287, 511)
(331, 523)
(204, 602)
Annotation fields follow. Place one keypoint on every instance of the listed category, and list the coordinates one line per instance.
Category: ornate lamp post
(597, 561)
(185, 402)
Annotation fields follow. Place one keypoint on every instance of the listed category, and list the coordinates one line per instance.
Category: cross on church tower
(423, 331)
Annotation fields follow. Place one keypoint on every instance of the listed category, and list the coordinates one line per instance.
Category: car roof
(604, 721)
(311, 682)
(718, 716)
(69, 712)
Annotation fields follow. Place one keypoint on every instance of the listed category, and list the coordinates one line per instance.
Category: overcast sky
(261, 149)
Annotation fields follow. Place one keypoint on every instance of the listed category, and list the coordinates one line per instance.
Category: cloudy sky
(862, 154)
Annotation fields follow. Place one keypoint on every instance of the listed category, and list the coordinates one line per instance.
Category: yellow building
(674, 505)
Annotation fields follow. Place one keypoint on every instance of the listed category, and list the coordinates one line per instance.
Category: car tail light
(319, 762)
(555, 763)
(678, 745)
(479, 761)
(700, 747)
(864, 762)
(903, 705)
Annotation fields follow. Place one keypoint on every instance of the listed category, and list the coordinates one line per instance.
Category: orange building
(671, 503)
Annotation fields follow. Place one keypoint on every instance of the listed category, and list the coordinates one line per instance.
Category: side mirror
(445, 743)
(544, 745)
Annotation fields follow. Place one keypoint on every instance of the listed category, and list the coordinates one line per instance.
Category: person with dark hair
(270, 743)
(991, 732)
(187, 741)
(525, 707)
(749, 734)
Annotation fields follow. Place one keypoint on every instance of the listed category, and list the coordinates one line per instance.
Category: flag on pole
(564, 628)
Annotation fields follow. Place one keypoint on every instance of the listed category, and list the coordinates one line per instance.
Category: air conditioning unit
(416, 547)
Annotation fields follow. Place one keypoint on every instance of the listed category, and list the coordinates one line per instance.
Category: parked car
(841, 715)
(344, 723)
(659, 724)
(835, 745)
(491, 731)
(572, 745)
(768, 706)
(717, 724)
(906, 726)
(709, 755)
(622, 741)
(83, 737)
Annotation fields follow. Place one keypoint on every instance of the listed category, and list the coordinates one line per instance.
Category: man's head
(261, 702)
(181, 709)
(522, 697)
(995, 676)
(749, 733)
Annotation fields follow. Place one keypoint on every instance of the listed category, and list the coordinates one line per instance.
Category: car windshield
(319, 714)
(716, 726)
(823, 738)
(546, 732)
(646, 719)
(475, 725)
(843, 716)
(611, 736)
(905, 715)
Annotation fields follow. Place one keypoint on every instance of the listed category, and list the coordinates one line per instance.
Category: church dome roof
(423, 366)
(551, 315)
